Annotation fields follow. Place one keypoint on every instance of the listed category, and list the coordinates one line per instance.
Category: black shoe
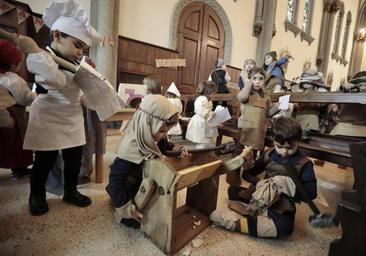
(84, 180)
(75, 198)
(37, 205)
(19, 173)
(131, 223)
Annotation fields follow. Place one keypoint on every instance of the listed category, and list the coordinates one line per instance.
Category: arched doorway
(201, 40)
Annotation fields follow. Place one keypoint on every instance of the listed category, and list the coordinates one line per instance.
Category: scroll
(96, 87)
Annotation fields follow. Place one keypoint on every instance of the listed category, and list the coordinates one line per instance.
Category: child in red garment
(12, 155)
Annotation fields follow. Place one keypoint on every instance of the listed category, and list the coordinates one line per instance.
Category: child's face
(162, 133)
(286, 150)
(249, 65)
(268, 59)
(307, 86)
(70, 47)
(258, 81)
(15, 68)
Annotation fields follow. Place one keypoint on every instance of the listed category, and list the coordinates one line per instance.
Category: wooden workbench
(122, 115)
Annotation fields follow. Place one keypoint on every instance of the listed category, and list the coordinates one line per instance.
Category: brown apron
(253, 121)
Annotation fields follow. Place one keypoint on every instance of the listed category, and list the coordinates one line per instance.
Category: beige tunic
(253, 119)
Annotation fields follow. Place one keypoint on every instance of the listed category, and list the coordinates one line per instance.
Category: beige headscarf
(138, 143)
(244, 74)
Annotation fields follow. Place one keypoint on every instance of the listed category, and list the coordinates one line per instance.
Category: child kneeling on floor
(145, 138)
(268, 208)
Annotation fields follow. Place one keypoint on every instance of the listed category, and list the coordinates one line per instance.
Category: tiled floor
(67, 230)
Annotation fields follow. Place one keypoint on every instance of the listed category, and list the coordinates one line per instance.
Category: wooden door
(200, 41)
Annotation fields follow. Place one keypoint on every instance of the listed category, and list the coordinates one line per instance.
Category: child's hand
(184, 153)
(247, 155)
(90, 62)
(290, 57)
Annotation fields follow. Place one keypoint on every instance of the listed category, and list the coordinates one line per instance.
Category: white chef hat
(173, 89)
(69, 17)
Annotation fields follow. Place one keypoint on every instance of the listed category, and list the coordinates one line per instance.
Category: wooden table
(122, 115)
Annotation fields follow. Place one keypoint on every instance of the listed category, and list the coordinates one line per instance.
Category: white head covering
(138, 143)
(173, 89)
(69, 17)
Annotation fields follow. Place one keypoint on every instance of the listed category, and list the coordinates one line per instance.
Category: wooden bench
(329, 148)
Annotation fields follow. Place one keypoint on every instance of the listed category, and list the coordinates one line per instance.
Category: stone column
(104, 18)
(326, 34)
(265, 38)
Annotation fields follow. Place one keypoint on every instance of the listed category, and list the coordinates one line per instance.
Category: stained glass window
(306, 24)
(291, 11)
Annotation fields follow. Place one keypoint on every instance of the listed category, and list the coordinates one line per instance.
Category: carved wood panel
(200, 41)
(136, 60)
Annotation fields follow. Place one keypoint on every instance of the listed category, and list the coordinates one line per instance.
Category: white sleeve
(209, 78)
(227, 77)
(46, 71)
(18, 87)
(177, 103)
(202, 107)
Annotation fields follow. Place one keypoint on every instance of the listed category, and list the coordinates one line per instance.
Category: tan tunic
(253, 119)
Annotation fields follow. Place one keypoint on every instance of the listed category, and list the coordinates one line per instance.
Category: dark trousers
(45, 161)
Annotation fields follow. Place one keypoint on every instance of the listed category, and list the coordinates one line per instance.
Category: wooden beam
(322, 97)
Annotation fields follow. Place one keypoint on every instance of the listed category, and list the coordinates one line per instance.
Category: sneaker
(131, 223)
(75, 198)
(37, 205)
(218, 220)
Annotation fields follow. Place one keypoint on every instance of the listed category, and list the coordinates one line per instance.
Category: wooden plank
(123, 115)
(183, 231)
(323, 97)
(195, 174)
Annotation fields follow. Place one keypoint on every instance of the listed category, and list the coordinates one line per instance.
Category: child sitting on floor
(277, 220)
(198, 129)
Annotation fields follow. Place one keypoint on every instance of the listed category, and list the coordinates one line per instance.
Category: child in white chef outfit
(173, 95)
(56, 118)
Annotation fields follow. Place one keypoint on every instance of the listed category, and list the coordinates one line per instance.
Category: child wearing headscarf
(12, 155)
(273, 68)
(144, 139)
(249, 64)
